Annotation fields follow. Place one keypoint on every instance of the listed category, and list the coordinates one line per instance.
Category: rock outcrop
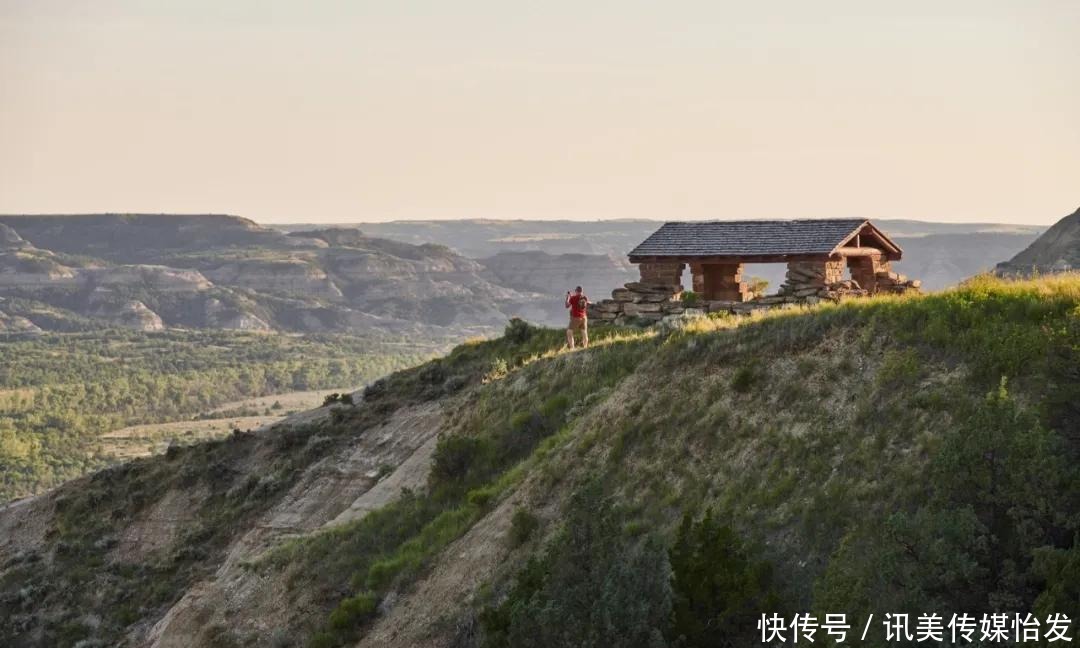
(29, 268)
(104, 304)
(290, 276)
(1057, 250)
(220, 315)
(151, 277)
(16, 324)
(10, 239)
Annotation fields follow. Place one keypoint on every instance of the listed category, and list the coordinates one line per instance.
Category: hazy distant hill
(1057, 250)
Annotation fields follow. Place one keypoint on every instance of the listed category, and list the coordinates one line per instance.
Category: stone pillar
(662, 274)
(723, 281)
(834, 271)
(864, 270)
(697, 278)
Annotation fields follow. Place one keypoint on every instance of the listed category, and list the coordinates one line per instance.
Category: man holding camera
(578, 304)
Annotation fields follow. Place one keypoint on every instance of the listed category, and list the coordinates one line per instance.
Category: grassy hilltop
(663, 487)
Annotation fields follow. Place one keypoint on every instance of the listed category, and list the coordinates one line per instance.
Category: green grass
(830, 439)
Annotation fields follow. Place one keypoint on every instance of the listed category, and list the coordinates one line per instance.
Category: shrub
(806, 366)
(744, 378)
(433, 373)
(375, 389)
(461, 460)
(690, 298)
(331, 399)
(526, 430)
(517, 331)
(522, 525)
(324, 640)
(353, 612)
(593, 586)
(899, 369)
(718, 591)
(498, 369)
(757, 286)
(992, 492)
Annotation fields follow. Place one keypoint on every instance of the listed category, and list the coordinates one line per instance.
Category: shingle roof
(750, 237)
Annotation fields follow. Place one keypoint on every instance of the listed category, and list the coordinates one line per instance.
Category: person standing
(578, 304)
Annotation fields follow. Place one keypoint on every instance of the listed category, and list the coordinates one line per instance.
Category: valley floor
(248, 414)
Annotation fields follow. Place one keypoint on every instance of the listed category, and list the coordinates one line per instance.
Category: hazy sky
(346, 111)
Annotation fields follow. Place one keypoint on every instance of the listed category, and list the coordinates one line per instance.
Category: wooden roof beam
(858, 251)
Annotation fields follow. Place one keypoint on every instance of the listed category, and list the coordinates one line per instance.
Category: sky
(346, 111)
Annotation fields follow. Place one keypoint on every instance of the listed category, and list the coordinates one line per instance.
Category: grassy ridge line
(827, 440)
(914, 365)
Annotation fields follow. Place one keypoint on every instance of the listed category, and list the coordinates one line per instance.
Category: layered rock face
(153, 277)
(220, 315)
(148, 271)
(21, 264)
(285, 276)
(132, 314)
(35, 269)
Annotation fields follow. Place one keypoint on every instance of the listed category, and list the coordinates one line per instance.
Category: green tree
(594, 588)
(718, 590)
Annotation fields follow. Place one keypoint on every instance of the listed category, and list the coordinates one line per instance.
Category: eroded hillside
(155, 271)
(890, 454)
(1056, 250)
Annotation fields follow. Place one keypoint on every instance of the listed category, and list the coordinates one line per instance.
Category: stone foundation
(807, 283)
(664, 274)
(645, 301)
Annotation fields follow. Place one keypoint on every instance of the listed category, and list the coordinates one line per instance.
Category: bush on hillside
(517, 331)
(718, 590)
(522, 525)
(744, 378)
(594, 586)
(461, 460)
(996, 490)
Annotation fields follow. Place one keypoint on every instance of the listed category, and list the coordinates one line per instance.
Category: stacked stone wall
(806, 283)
